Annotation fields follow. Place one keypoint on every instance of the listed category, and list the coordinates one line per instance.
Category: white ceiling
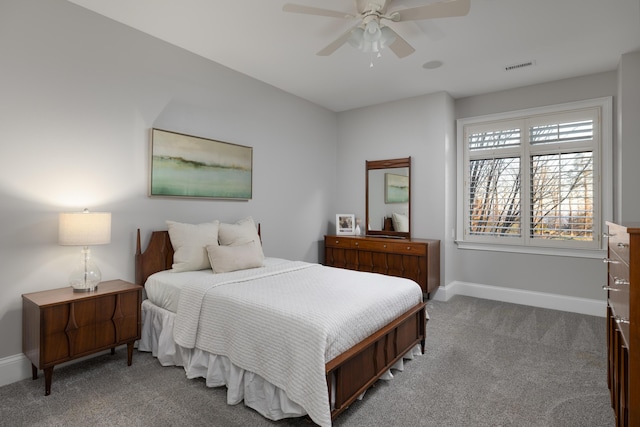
(564, 38)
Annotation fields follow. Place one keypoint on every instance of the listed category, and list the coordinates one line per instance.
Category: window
(535, 179)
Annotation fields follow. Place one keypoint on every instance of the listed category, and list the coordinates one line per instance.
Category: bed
(283, 361)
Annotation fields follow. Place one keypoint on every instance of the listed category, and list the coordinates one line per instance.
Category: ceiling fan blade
(445, 9)
(333, 46)
(400, 46)
(308, 10)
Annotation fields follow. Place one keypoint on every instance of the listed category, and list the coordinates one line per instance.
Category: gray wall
(421, 127)
(79, 94)
(413, 127)
(627, 206)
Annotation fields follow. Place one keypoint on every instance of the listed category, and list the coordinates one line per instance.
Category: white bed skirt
(257, 393)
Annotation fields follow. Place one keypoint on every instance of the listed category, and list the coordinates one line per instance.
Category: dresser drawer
(338, 242)
(619, 283)
(617, 268)
(405, 248)
(619, 243)
(619, 299)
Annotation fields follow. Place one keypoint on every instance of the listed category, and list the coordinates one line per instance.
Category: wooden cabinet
(415, 259)
(59, 325)
(623, 322)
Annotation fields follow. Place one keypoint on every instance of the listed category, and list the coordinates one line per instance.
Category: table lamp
(84, 229)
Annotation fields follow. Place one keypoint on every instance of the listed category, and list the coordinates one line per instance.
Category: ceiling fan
(370, 34)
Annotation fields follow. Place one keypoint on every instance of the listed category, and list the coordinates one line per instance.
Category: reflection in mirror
(388, 197)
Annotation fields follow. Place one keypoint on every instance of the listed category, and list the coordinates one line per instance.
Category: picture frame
(345, 224)
(195, 167)
(396, 188)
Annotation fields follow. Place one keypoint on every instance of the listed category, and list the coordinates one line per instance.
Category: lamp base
(86, 276)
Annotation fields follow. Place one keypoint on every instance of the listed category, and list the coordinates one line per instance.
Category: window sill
(534, 250)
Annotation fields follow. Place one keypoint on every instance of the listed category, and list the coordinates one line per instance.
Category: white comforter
(285, 322)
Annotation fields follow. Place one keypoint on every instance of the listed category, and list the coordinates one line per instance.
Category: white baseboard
(587, 306)
(18, 367)
(14, 368)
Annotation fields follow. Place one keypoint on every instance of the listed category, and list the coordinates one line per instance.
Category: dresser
(59, 325)
(623, 321)
(415, 259)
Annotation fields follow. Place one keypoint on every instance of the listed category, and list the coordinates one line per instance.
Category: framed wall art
(190, 166)
(396, 188)
(345, 224)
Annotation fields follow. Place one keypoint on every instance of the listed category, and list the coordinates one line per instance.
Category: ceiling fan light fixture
(387, 36)
(371, 38)
(373, 28)
(357, 38)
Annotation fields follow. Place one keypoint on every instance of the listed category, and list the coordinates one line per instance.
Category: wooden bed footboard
(350, 373)
(354, 371)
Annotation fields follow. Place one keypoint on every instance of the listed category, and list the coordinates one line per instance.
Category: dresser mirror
(388, 198)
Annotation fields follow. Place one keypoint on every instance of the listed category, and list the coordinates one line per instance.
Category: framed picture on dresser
(345, 224)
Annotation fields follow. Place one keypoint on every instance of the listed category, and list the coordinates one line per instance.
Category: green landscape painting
(189, 166)
(396, 188)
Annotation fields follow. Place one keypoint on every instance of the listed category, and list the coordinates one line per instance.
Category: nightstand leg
(129, 353)
(34, 372)
(113, 351)
(48, 374)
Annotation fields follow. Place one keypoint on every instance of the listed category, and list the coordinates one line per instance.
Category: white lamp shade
(84, 228)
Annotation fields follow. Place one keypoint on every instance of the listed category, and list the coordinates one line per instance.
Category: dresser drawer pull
(620, 319)
(609, 288)
(607, 235)
(610, 261)
(408, 248)
(623, 245)
(617, 281)
(384, 246)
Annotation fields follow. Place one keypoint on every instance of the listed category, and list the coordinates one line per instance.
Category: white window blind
(532, 180)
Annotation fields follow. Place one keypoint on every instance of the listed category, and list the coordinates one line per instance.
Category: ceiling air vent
(519, 66)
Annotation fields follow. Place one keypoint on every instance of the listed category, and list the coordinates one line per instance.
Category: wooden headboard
(158, 256)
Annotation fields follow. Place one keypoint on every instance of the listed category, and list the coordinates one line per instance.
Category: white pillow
(400, 222)
(240, 233)
(231, 258)
(190, 243)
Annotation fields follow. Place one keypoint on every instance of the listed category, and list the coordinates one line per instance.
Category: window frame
(602, 167)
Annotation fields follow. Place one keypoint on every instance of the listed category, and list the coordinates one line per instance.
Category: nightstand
(59, 325)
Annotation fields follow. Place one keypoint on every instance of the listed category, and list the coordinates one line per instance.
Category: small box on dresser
(59, 325)
(623, 322)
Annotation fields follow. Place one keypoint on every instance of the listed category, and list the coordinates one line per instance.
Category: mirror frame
(387, 164)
